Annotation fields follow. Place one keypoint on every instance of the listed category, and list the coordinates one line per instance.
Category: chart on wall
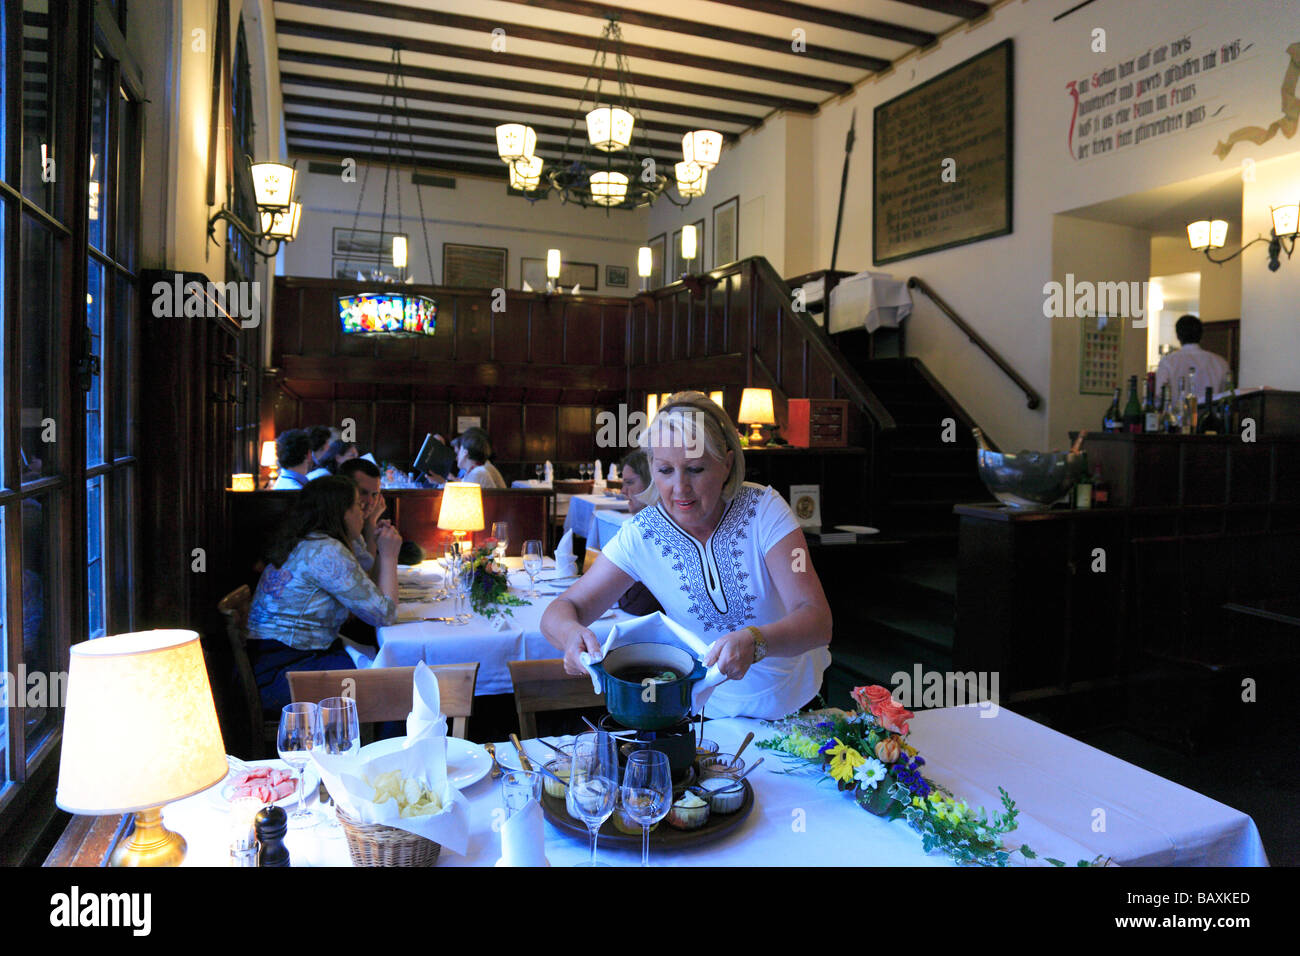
(943, 160)
(473, 267)
(1101, 355)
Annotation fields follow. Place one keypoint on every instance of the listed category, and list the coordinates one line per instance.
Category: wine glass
(342, 731)
(593, 783)
(541, 470)
(457, 586)
(501, 531)
(647, 792)
(300, 731)
(533, 564)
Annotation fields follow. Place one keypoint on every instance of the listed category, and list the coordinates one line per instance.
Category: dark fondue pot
(635, 693)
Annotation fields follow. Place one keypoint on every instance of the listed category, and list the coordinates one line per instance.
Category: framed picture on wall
(365, 268)
(678, 263)
(473, 267)
(616, 277)
(365, 243)
(584, 274)
(698, 264)
(658, 260)
(1101, 355)
(726, 232)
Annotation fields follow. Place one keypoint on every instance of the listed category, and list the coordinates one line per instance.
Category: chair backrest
(384, 693)
(234, 608)
(544, 686)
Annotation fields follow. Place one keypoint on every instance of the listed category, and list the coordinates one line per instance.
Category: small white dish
(857, 529)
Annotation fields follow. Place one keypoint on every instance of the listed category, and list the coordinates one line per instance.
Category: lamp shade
(645, 262)
(689, 240)
(526, 174)
(716, 398)
(651, 406)
(552, 263)
(703, 146)
(610, 128)
(273, 184)
(608, 189)
(140, 729)
(1285, 219)
(243, 482)
(691, 179)
(283, 223)
(399, 252)
(1198, 234)
(515, 141)
(756, 407)
(269, 459)
(462, 507)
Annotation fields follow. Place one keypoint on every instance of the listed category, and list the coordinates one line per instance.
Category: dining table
(493, 643)
(584, 508)
(1075, 803)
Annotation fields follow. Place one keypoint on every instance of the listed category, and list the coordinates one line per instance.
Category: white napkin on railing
(566, 565)
(523, 838)
(548, 474)
(657, 628)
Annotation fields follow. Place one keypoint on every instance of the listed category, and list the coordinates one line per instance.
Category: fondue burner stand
(677, 741)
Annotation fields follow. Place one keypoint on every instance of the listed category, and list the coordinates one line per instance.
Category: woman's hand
(580, 639)
(733, 653)
(388, 542)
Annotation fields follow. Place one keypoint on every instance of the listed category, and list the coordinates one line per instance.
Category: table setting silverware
(496, 770)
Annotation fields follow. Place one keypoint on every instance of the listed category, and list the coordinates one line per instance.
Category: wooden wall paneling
(637, 336)
(393, 438)
(441, 346)
(473, 328)
(546, 332)
(1286, 472)
(575, 433)
(321, 332)
(663, 349)
(582, 329)
(508, 432)
(613, 336)
(1249, 472)
(510, 331)
(393, 348)
(430, 418)
(768, 344)
(539, 432)
(1204, 473)
(363, 413)
(793, 358)
(286, 330)
(738, 311)
(715, 325)
(480, 410)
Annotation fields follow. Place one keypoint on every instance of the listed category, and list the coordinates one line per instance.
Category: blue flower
(829, 745)
(825, 723)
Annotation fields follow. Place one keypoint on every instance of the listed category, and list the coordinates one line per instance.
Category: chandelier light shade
(608, 189)
(526, 174)
(691, 179)
(645, 262)
(552, 263)
(283, 224)
(515, 141)
(703, 146)
(273, 184)
(1286, 219)
(609, 128)
(399, 252)
(688, 242)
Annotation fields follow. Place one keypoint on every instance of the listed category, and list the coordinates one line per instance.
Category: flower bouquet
(867, 754)
(488, 585)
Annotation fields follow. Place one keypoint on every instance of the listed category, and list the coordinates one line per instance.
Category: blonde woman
(725, 558)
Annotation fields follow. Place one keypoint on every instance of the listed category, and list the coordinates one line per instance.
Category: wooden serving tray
(664, 835)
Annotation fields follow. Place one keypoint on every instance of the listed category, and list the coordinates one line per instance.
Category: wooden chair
(384, 693)
(544, 686)
(261, 731)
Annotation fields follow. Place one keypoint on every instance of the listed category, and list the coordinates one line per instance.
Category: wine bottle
(1083, 490)
(1150, 415)
(1189, 403)
(1100, 490)
(1210, 423)
(1110, 422)
(1132, 409)
(1168, 420)
(1228, 411)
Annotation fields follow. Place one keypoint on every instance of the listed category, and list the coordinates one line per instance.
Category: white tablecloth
(604, 524)
(403, 645)
(1058, 784)
(870, 299)
(582, 508)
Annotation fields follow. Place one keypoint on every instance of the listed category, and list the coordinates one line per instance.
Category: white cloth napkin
(523, 838)
(598, 483)
(657, 628)
(566, 565)
(870, 299)
(548, 476)
(613, 472)
(426, 718)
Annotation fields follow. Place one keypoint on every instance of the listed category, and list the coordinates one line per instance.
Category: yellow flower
(844, 760)
(918, 802)
(911, 751)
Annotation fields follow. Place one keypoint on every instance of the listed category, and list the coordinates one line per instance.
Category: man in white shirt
(1175, 367)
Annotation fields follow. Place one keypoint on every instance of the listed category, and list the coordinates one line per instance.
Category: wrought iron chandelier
(612, 166)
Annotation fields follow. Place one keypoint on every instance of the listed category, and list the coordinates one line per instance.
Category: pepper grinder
(271, 824)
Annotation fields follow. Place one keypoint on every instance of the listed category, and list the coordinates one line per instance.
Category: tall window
(69, 218)
(241, 263)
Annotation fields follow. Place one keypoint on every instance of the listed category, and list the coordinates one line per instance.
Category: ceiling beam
(481, 83)
(484, 54)
(966, 9)
(867, 26)
(657, 137)
(593, 41)
(425, 163)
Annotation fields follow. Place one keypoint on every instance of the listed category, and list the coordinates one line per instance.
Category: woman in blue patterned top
(726, 559)
(311, 582)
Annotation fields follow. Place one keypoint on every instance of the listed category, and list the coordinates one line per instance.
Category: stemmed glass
(533, 564)
(300, 731)
(501, 532)
(342, 732)
(458, 583)
(541, 470)
(647, 793)
(593, 784)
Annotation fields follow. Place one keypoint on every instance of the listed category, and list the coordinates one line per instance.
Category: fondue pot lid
(649, 654)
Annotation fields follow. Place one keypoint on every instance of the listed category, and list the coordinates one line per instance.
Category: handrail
(1034, 399)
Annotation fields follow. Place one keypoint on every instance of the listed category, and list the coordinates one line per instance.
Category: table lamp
(756, 410)
(269, 460)
(139, 731)
(462, 509)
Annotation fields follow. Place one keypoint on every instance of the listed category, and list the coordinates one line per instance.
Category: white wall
(478, 212)
(1270, 326)
(1220, 296)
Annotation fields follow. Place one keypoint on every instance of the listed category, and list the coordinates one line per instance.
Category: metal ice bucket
(1030, 480)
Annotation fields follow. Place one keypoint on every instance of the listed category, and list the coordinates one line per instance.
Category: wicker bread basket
(373, 844)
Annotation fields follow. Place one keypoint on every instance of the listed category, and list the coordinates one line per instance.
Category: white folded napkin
(613, 472)
(599, 482)
(523, 838)
(426, 719)
(566, 565)
(370, 457)
(657, 628)
(548, 476)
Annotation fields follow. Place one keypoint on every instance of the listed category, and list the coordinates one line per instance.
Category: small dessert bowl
(721, 765)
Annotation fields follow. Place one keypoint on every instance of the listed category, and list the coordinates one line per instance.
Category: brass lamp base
(152, 844)
(756, 438)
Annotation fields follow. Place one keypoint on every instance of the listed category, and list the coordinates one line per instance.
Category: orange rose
(870, 698)
(887, 750)
(894, 716)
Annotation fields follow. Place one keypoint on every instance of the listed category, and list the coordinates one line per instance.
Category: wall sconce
(1204, 235)
(278, 214)
(552, 269)
(645, 264)
(689, 246)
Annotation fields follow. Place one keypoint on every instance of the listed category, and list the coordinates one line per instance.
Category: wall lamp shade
(526, 174)
(273, 184)
(1286, 219)
(689, 242)
(716, 398)
(462, 507)
(651, 406)
(282, 224)
(399, 252)
(645, 262)
(1207, 234)
(515, 141)
(608, 189)
(552, 263)
(609, 128)
(702, 146)
(692, 178)
(139, 731)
